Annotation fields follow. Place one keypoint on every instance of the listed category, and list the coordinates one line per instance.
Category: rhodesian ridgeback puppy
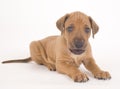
(66, 52)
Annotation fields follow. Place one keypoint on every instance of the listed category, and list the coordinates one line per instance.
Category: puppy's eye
(87, 30)
(70, 29)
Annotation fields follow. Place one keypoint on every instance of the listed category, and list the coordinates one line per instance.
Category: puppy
(66, 52)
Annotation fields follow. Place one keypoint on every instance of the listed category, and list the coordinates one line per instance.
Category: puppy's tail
(18, 61)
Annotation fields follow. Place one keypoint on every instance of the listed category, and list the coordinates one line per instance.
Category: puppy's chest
(77, 59)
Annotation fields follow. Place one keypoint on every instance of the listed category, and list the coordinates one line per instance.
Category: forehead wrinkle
(79, 17)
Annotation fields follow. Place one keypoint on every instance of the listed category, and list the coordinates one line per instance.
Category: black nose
(78, 43)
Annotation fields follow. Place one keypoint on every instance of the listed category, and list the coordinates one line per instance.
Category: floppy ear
(94, 26)
(60, 22)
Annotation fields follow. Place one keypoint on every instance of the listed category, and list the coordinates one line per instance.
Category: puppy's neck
(79, 58)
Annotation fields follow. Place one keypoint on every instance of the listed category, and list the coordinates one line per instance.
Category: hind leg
(38, 55)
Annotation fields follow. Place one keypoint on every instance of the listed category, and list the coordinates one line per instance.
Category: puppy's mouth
(77, 51)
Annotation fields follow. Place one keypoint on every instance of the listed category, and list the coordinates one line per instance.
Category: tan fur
(54, 52)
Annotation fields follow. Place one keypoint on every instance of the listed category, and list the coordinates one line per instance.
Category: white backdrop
(22, 21)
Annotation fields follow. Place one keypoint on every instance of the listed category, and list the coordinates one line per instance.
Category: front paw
(80, 77)
(102, 75)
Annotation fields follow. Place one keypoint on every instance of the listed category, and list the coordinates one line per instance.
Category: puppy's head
(76, 29)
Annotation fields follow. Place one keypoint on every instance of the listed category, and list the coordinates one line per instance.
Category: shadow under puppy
(66, 52)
